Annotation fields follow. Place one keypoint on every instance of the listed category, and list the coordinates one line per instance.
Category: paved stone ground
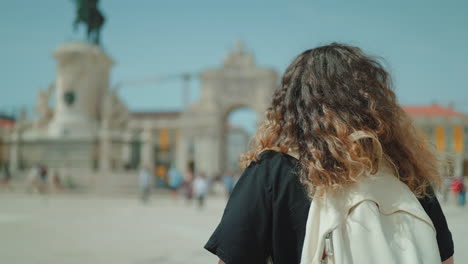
(70, 228)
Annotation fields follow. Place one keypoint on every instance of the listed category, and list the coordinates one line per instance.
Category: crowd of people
(192, 186)
(40, 179)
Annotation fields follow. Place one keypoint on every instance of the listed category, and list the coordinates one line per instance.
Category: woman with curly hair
(333, 122)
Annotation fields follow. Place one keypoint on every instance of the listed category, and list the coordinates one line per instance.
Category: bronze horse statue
(89, 14)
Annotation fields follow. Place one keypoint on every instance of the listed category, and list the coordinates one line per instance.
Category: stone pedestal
(76, 154)
(82, 81)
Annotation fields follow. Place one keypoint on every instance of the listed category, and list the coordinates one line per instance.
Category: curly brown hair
(336, 109)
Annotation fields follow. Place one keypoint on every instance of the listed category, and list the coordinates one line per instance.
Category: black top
(267, 212)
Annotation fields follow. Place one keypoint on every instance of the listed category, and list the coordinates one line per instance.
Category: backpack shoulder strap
(389, 193)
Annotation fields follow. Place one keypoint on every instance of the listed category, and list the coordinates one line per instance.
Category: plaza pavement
(84, 228)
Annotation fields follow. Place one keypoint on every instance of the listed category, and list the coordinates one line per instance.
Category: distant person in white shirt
(145, 184)
(200, 186)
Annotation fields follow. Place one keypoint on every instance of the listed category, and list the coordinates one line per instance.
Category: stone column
(458, 165)
(126, 148)
(208, 154)
(260, 113)
(105, 145)
(14, 151)
(147, 152)
(201, 154)
(216, 155)
(182, 149)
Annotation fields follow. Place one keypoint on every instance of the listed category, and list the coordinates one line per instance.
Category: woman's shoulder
(273, 166)
(272, 157)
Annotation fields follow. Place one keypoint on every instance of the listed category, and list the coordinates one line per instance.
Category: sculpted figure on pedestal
(43, 109)
(114, 113)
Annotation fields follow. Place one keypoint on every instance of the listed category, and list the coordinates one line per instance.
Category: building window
(458, 139)
(440, 138)
(164, 139)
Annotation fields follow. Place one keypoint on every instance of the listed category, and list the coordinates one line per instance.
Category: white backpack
(376, 221)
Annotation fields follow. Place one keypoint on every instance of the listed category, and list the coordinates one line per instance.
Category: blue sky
(424, 43)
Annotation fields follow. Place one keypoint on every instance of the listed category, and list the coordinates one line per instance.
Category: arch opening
(239, 126)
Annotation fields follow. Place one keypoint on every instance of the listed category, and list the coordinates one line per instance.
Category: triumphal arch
(239, 82)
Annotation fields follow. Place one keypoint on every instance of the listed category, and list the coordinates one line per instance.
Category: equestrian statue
(89, 14)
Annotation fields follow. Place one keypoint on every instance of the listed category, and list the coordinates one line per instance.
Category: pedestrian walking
(43, 179)
(145, 184)
(457, 186)
(336, 174)
(188, 184)
(56, 181)
(446, 188)
(229, 182)
(462, 192)
(32, 179)
(200, 186)
(175, 181)
(6, 177)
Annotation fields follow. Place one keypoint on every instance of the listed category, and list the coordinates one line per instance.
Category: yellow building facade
(447, 131)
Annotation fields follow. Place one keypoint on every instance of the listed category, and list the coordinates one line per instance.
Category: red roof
(8, 123)
(431, 111)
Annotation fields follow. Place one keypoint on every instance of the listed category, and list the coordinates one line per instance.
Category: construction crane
(185, 77)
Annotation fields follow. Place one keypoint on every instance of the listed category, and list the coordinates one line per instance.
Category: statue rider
(89, 14)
